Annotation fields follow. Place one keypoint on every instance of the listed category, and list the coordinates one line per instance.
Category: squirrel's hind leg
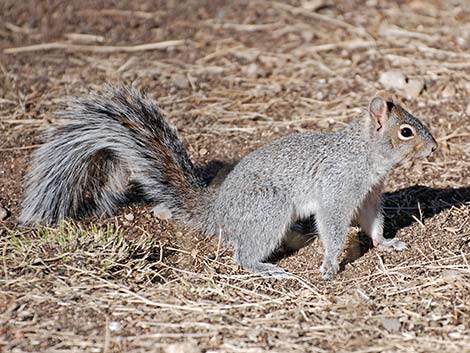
(257, 238)
(252, 254)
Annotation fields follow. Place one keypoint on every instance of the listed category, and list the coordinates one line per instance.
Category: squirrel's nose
(434, 146)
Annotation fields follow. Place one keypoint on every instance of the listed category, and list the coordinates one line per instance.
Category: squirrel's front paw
(329, 269)
(393, 244)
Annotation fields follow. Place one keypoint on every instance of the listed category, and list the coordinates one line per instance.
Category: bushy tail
(106, 144)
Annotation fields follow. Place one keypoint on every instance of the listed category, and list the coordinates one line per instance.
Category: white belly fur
(306, 208)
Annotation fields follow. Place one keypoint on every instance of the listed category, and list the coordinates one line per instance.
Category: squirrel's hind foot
(393, 244)
(268, 270)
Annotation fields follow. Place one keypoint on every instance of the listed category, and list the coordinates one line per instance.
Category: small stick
(4, 258)
(219, 242)
(452, 54)
(349, 44)
(85, 38)
(418, 221)
(21, 121)
(107, 336)
(18, 148)
(244, 27)
(95, 48)
(384, 270)
(119, 13)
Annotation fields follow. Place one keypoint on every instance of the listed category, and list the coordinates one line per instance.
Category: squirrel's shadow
(402, 208)
(417, 203)
(410, 205)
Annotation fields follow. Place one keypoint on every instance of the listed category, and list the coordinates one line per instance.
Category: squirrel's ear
(379, 109)
(388, 96)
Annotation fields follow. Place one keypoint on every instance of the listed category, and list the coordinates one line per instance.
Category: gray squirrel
(116, 140)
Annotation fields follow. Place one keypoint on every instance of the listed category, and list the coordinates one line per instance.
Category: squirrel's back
(299, 156)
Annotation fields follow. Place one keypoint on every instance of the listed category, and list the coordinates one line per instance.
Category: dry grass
(233, 76)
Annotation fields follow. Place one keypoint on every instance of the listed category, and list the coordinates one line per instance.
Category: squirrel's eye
(406, 132)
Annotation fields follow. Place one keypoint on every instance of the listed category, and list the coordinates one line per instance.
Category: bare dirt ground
(234, 75)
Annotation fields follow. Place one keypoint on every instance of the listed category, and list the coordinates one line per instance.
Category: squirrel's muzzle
(429, 147)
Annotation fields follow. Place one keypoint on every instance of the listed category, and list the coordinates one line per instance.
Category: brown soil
(241, 74)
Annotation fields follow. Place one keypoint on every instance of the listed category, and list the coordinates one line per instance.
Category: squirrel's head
(404, 135)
